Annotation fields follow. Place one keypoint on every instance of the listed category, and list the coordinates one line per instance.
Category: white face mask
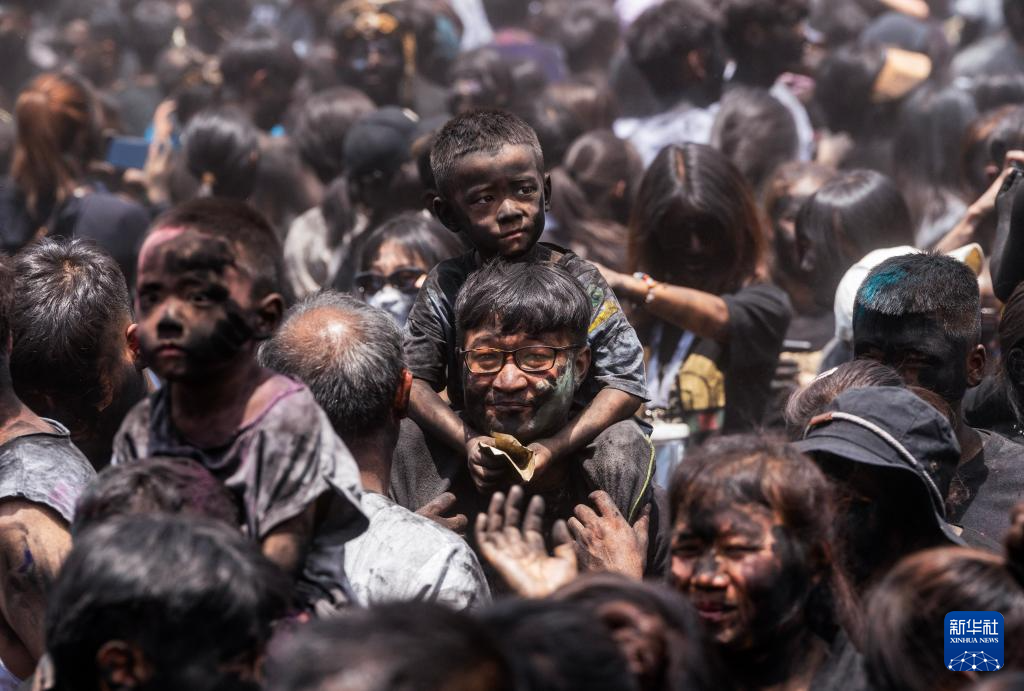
(394, 302)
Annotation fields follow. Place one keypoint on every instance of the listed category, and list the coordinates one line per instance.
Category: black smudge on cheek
(226, 337)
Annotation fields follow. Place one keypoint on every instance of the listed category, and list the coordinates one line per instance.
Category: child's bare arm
(608, 407)
(435, 417)
(287, 544)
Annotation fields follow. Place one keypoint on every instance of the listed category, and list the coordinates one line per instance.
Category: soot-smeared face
(741, 570)
(527, 405)
(917, 347)
(498, 201)
(194, 304)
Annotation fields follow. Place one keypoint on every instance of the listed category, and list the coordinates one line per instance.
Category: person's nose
(169, 327)
(373, 57)
(509, 378)
(509, 212)
(708, 574)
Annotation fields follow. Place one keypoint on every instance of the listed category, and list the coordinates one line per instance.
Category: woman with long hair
(712, 325)
(49, 191)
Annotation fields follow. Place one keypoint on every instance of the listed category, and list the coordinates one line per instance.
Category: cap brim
(852, 451)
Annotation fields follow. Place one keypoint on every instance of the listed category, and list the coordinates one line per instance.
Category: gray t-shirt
(276, 465)
(405, 557)
(431, 348)
(45, 468)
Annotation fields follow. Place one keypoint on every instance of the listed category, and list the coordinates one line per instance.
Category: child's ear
(131, 337)
(269, 312)
(547, 193)
(445, 213)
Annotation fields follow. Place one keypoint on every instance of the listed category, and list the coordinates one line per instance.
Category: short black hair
(258, 50)
(756, 132)
(323, 122)
(926, 284)
(159, 484)
(354, 372)
(478, 131)
(662, 36)
(588, 33)
(191, 594)
(558, 645)
(414, 646)
(523, 297)
(248, 231)
(152, 25)
(222, 152)
(69, 320)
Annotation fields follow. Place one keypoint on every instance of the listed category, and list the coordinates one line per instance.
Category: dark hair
(474, 132)
(558, 646)
(660, 39)
(856, 211)
(244, 56)
(191, 594)
(412, 646)
(159, 484)
(845, 82)
(749, 469)
(152, 25)
(354, 372)
(506, 13)
(813, 399)
(222, 152)
(588, 31)
(68, 323)
(996, 90)
(591, 106)
(322, 124)
(415, 233)
(766, 15)
(906, 613)
(931, 285)
(526, 297)
(699, 183)
(598, 162)
(246, 229)
(582, 227)
(928, 147)
(556, 127)
(1011, 335)
(490, 68)
(55, 114)
(688, 661)
(756, 132)
(7, 304)
(1013, 16)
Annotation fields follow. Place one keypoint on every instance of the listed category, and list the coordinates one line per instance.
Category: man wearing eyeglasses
(522, 335)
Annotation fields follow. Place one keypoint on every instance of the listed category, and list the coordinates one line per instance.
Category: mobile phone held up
(128, 152)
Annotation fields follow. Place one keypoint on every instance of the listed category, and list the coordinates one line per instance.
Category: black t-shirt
(115, 224)
(725, 387)
(986, 488)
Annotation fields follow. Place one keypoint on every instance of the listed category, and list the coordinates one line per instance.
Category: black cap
(380, 142)
(890, 427)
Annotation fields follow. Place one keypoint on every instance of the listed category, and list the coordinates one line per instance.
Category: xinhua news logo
(974, 641)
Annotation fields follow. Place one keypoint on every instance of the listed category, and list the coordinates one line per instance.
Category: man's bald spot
(321, 333)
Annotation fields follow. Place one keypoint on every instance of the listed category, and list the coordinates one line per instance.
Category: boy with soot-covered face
(208, 292)
(491, 187)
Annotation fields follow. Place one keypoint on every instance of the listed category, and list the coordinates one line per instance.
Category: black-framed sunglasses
(530, 359)
(405, 279)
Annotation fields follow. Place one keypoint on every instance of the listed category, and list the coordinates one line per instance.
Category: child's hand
(487, 471)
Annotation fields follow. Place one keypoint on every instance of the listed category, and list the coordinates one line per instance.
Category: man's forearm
(435, 417)
(608, 407)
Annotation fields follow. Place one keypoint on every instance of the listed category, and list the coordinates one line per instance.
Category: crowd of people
(484, 345)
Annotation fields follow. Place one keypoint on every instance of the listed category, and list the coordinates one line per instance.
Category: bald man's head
(349, 355)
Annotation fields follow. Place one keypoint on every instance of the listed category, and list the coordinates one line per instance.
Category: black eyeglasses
(406, 279)
(529, 359)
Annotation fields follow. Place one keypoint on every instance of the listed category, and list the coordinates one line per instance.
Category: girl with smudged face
(750, 550)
